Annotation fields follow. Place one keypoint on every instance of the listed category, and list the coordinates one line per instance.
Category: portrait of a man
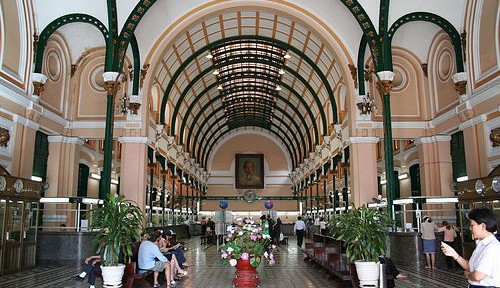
(249, 171)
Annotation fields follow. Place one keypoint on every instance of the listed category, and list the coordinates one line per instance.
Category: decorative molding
(432, 139)
(495, 137)
(460, 80)
(26, 122)
(474, 121)
(54, 117)
(354, 74)
(362, 140)
(110, 76)
(459, 77)
(385, 75)
(85, 124)
(396, 125)
(65, 140)
(424, 67)
(4, 137)
(38, 77)
(144, 72)
(384, 87)
(133, 140)
(38, 80)
(134, 103)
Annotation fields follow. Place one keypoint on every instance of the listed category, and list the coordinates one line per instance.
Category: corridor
(206, 271)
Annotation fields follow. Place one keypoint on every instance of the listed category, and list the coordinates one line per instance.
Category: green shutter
(41, 155)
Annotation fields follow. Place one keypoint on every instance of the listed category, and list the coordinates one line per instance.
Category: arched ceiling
(253, 69)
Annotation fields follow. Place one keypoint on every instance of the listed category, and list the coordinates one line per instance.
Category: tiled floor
(206, 271)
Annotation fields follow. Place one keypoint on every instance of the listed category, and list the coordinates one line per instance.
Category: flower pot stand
(246, 275)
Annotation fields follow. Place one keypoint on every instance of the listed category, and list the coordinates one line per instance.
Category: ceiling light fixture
(216, 72)
(219, 87)
(95, 176)
(281, 71)
(278, 88)
(403, 176)
(287, 56)
(209, 56)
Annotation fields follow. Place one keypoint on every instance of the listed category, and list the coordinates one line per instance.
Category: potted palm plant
(363, 232)
(119, 222)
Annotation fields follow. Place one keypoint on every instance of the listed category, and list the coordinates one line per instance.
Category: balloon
(268, 204)
(223, 204)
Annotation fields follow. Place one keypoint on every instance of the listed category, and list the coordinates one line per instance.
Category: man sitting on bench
(146, 260)
(92, 266)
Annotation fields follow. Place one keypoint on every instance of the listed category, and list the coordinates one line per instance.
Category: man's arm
(94, 259)
(157, 253)
(474, 275)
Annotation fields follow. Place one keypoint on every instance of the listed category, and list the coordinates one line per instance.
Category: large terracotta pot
(246, 275)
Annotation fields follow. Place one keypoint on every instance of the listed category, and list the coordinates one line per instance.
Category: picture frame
(247, 177)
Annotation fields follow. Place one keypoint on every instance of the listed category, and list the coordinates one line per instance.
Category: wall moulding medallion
(4, 137)
(494, 137)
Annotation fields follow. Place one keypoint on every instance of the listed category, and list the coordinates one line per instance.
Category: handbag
(282, 237)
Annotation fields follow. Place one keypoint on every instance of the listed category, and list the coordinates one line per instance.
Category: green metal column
(324, 196)
(384, 86)
(163, 195)
(111, 88)
(151, 179)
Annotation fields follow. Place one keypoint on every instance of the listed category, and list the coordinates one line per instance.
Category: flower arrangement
(245, 241)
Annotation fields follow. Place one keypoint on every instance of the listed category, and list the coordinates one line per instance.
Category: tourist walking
(298, 229)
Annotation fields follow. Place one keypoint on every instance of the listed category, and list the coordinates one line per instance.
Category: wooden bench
(133, 276)
(330, 258)
(329, 254)
(309, 249)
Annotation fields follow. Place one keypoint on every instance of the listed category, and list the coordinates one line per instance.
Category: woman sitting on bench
(175, 248)
(169, 251)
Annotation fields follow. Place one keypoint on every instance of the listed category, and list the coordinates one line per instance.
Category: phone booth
(477, 193)
(19, 200)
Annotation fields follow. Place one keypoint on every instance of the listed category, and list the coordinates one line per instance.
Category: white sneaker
(92, 286)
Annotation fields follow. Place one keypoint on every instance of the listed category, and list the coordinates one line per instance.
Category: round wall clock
(18, 186)
(249, 196)
(479, 186)
(3, 183)
(495, 184)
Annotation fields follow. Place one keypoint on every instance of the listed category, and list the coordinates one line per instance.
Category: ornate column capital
(460, 80)
(134, 103)
(109, 79)
(385, 75)
(38, 80)
(384, 83)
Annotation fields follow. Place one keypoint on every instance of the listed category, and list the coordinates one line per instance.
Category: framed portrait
(249, 171)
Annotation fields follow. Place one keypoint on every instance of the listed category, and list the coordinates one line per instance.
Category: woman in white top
(482, 269)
